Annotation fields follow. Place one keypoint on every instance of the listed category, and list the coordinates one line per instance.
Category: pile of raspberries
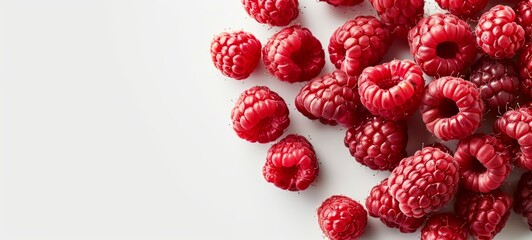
(471, 72)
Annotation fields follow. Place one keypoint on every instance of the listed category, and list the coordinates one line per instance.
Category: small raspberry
(525, 69)
(399, 16)
(443, 45)
(392, 90)
(342, 218)
(382, 205)
(452, 108)
(484, 162)
(332, 98)
(498, 34)
(485, 214)
(523, 12)
(515, 128)
(291, 164)
(444, 226)
(498, 82)
(463, 8)
(235, 54)
(272, 12)
(294, 55)
(343, 2)
(260, 115)
(424, 182)
(377, 143)
(523, 198)
(359, 43)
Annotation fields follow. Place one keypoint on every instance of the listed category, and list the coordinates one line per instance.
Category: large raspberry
(392, 90)
(291, 163)
(359, 43)
(444, 226)
(515, 128)
(485, 214)
(332, 98)
(294, 54)
(523, 12)
(484, 162)
(272, 12)
(342, 218)
(525, 69)
(260, 115)
(523, 198)
(399, 16)
(463, 8)
(342, 2)
(424, 182)
(452, 108)
(377, 143)
(235, 54)
(382, 205)
(498, 34)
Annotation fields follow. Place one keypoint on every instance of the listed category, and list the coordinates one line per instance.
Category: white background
(114, 124)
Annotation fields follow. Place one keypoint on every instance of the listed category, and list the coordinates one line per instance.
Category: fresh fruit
(399, 16)
(444, 226)
(342, 2)
(523, 13)
(342, 218)
(515, 130)
(523, 198)
(525, 69)
(235, 54)
(463, 8)
(272, 12)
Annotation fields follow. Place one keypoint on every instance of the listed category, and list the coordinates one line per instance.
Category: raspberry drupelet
(342, 218)
(272, 12)
(515, 130)
(444, 226)
(235, 54)
(399, 16)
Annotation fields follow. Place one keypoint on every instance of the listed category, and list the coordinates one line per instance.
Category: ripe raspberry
(332, 98)
(382, 205)
(484, 162)
(515, 128)
(523, 12)
(525, 69)
(342, 218)
(485, 214)
(399, 16)
(498, 81)
(235, 54)
(392, 90)
(444, 226)
(452, 108)
(291, 164)
(443, 45)
(294, 55)
(463, 8)
(260, 115)
(377, 143)
(343, 2)
(272, 12)
(523, 198)
(498, 34)
(359, 43)
(424, 182)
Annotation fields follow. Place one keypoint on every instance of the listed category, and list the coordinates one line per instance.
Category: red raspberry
(342, 218)
(331, 98)
(377, 143)
(294, 55)
(523, 12)
(399, 16)
(452, 108)
(498, 81)
(260, 115)
(484, 162)
(523, 198)
(342, 2)
(236, 54)
(392, 90)
(498, 34)
(515, 128)
(272, 12)
(463, 8)
(525, 69)
(485, 214)
(444, 226)
(382, 205)
(291, 164)
(424, 182)
(359, 43)
(443, 45)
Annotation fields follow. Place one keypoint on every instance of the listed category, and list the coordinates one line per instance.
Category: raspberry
(498, 82)
(377, 143)
(424, 182)
(463, 8)
(382, 205)
(443, 45)
(294, 55)
(235, 54)
(342, 218)
(359, 43)
(392, 90)
(272, 12)
(291, 164)
(260, 115)
(399, 16)
(484, 162)
(485, 214)
(515, 126)
(523, 12)
(523, 198)
(342, 2)
(452, 108)
(498, 34)
(525, 69)
(444, 226)
(331, 98)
